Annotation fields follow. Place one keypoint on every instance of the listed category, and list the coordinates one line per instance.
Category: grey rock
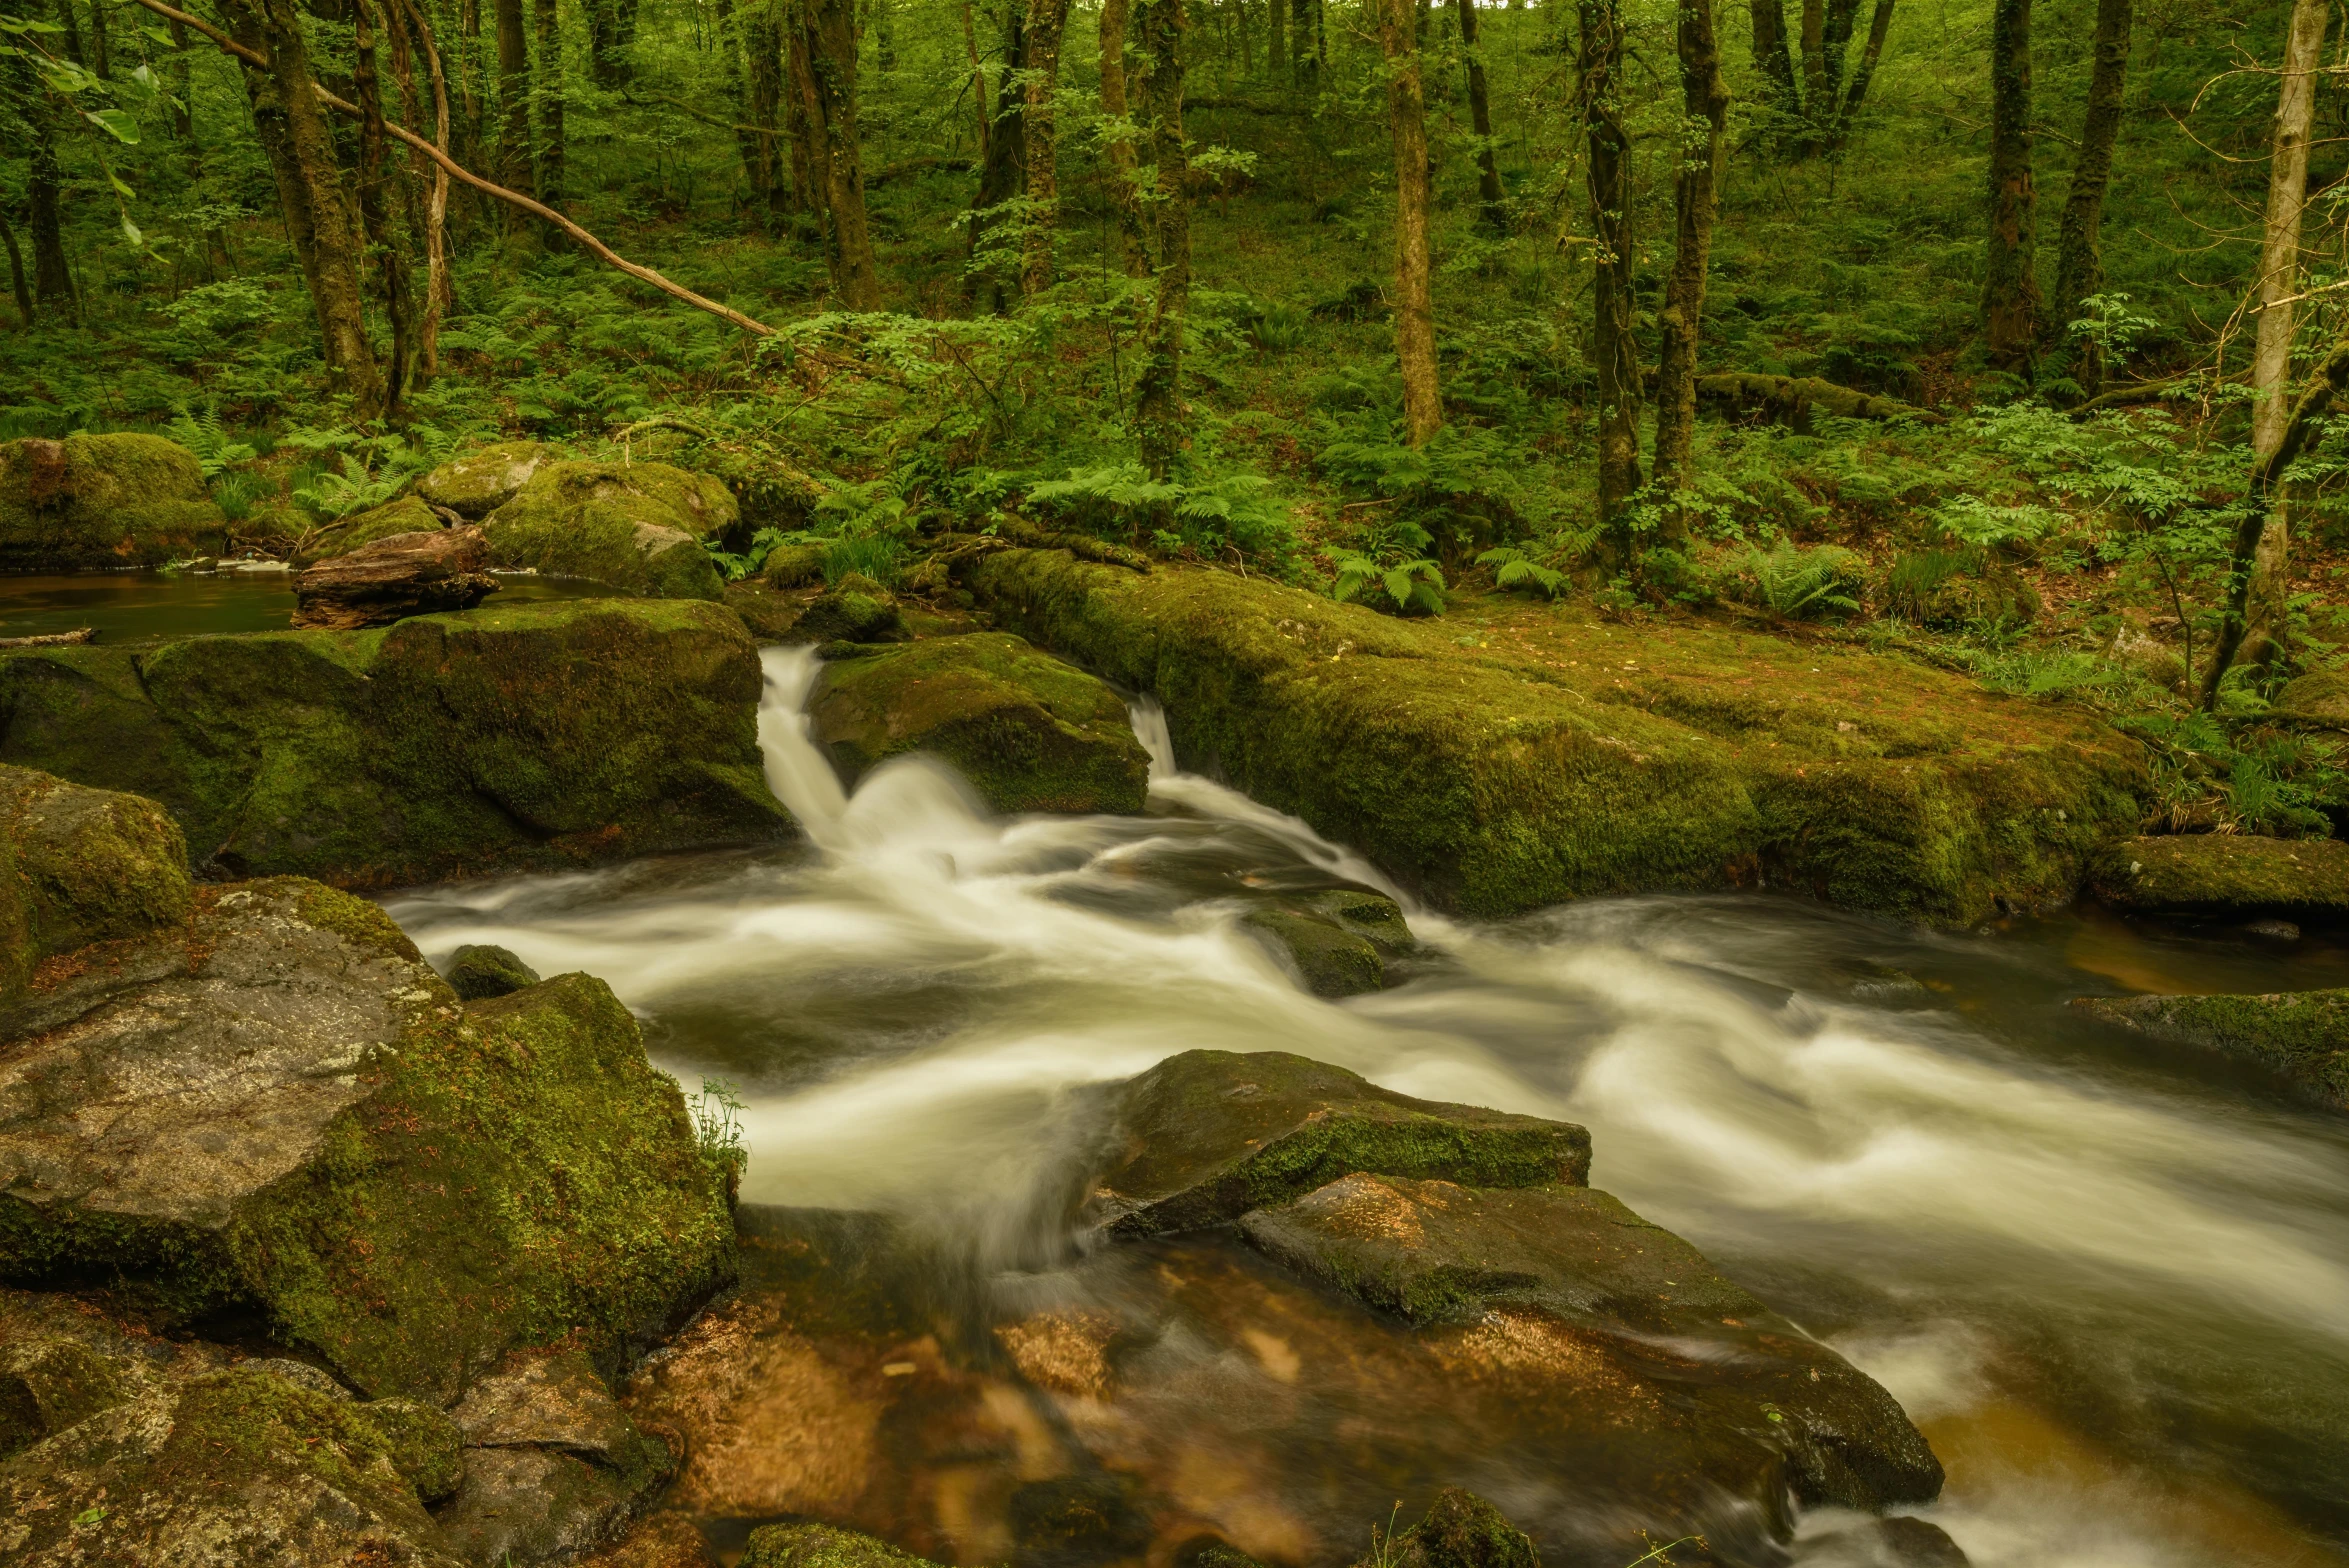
(553, 1401)
(299, 1373)
(526, 1506)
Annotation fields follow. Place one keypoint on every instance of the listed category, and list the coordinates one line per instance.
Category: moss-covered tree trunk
(2010, 287)
(1133, 243)
(1491, 202)
(1158, 32)
(1696, 198)
(1047, 19)
(514, 98)
(1003, 172)
(1814, 55)
(1613, 346)
(831, 53)
(802, 117)
(1423, 409)
(1305, 50)
(1871, 55)
(45, 184)
(1276, 40)
(763, 158)
(2079, 266)
(547, 87)
(607, 62)
(18, 284)
(376, 218)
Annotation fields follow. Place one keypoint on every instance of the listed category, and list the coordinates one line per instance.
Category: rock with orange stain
(1062, 1351)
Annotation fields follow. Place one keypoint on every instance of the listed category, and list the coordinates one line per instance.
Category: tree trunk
(1132, 243)
(52, 274)
(2079, 267)
(803, 118)
(2010, 290)
(970, 47)
(1879, 25)
(439, 291)
(547, 86)
(1814, 51)
(71, 21)
(605, 64)
(1775, 63)
(101, 46)
(1276, 39)
(1492, 210)
(1003, 173)
(514, 95)
(831, 51)
(1159, 26)
(1423, 409)
(1696, 195)
(1046, 20)
(16, 278)
(1304, 46)
(1612, 343)
(763, 156)
(2254, 628)
(375, 212)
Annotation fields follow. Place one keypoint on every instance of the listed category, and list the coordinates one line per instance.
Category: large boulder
(526, 735)
(103, 501)
(78, 867)
(637, 526)
(393, 577)
(1029, 732)
(1559, 757)
(2301, 1035)
(477, 484)
(2232, 874)
(1204, 1137)
(2319, 698)
(279, 1109)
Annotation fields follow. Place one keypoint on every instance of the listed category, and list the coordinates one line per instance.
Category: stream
(2108, 1279)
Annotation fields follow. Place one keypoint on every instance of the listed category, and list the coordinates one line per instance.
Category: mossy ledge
(1561, 759)
(508, 737)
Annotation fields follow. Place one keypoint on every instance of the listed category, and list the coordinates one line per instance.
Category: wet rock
(1063, 1351)
(477, 972)
(769, 615)
(854, 609)
(1078, 1521)
(1206, 1136)
(638, 526)
(2301, 1035)
(523, 735)
(823, 1546)
(425, 1444)
(1332, 960)
(552, 1466)
(47, 1385)
(1436, 1253)
(1899, 1542)
(226, 1467)
(661, 1540)
(1461, 1530)
(1213, 1551)
(293, 1116)
(393, 577)
(554, 1401)
(2319, 698)
(103, 501)
(2225, 874)
(477, 484)
(407, 515)
(1029, 732)
(79, 867)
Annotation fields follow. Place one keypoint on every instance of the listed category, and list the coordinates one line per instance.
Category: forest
(920, 783)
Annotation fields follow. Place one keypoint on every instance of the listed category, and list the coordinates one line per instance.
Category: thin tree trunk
(1696, 196)
(1304, 48)
(514, 94)
(1003, 173)
(970, 46)
(101, 46)
(547, 87)
(1133, 247)
(52, 273)
(1879, 26)
(2079, 267)
(803, 118)
(469, 86)
(1158, 26)
(16, 278)
(1276, 40)
(763, 156)
(1492, 209)
(439, 291)
(1046, 20)
(1772, 58)
(71, 21)
(1814, 52)
(1613, 346)
(1423, 408)
(2010, 290)
(831, 30)
(604, 65)
(2254, 628)
(375, 212)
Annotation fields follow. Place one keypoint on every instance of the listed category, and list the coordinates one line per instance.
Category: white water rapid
(2112, 1287)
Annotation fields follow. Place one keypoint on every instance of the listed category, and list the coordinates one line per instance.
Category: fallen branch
(1793, 393)
(594, 246)
(2132, 396)
(52, 639)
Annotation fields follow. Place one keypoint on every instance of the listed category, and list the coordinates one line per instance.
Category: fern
(1411, 585)
(1513, 568)
(209, 440)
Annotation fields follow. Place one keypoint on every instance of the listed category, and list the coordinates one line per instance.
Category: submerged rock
(1339, 940)
(287, 1113)
(479, 972)
(1575, 1267)
(98, 501)
(823, 1546)
(525, 735)
(1204, 1137)
(393, 577)
(2225, 874)
(80, 867)
(1029, 732)
(638, 526)
(2302, 1035)
(477, 484)
(854, 609)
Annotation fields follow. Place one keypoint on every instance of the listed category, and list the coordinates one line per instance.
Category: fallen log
(393, 578)
(1793, 399)
(52, 639)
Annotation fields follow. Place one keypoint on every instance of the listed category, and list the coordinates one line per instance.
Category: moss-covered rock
(854, 609)
(2320, 697)
(519, 735)
(823, 1546)
(49, 1384)
(1331, 960)
(638, 526)
(293, 1117)
(407, 515)
(477, 484)
(1460, 1530)
(79, 866)
(116, 500)
(1208, 1135)
(552, 1466)
(1558, 758)
(2302, 1035)
(1952, 590)
(477, 972)
(2225, 874)
(1029, 732)
(1434, 1252)
(793, 566)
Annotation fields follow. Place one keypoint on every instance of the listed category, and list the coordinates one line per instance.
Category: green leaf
(130, 231)
(115, 123)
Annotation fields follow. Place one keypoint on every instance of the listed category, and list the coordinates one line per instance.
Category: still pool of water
(144, 606)
(2110, 1281)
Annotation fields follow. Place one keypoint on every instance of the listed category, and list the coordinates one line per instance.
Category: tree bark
(514, 95)
(101, 45)
(1304, 41)
(1491, 201)
(1879, 26)
(1132, 243)
(1814, 52)
(1276, 39)
(1612, 344)
(375, 211)
(2010, 291)
(1696, 195)
(803, 118)
(1775, 62)
(17, 282)
(1159, 26)
(2079, 267)
(439, 291)
(1423, 408)
(763, 157)
(1046, 21)
(52, 273)
(547, 86)
(607, 64)
(831, 52)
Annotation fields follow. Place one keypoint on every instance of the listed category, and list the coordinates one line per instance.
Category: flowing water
(139, 606)
(2109, 1280)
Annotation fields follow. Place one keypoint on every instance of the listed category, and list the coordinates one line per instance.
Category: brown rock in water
(393, 578)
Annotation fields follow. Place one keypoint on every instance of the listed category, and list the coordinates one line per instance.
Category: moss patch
(638, 526)
(110, 500)
(1333, 961)
(2225, 873)
(2303, 1035)
(823, 1546)
(1554, 757)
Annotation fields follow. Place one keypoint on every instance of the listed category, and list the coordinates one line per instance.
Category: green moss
(2319, 697)
(636, 526)
(854, 609)
(79, 866)
(1029, 732)
(232, 1426)
(1559, 759)
(407, 515)
(1334, 961)
(478, 972)
(477, 484)
(1461, 1530)
(103, 501)
(822, 1546)
(2303, 1035)
(424, 1444)
(2225, 873)
(46, 1385)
